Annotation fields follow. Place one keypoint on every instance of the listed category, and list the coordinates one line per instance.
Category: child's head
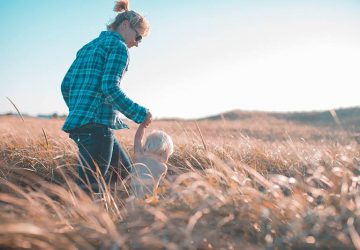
(159, 143)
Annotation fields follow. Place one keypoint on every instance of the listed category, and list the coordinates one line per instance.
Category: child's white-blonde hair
(160, 143)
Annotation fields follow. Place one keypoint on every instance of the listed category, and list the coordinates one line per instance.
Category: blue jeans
(99, 148)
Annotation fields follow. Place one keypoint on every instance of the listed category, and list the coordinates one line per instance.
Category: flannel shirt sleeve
(110, 86)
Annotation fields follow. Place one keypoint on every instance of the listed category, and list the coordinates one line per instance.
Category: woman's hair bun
(121, 5)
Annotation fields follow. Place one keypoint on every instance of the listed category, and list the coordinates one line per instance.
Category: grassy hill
(349, 118)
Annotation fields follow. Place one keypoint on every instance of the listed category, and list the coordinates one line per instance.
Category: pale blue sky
(201, 57)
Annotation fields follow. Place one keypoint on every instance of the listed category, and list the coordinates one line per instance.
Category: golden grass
(251, 184)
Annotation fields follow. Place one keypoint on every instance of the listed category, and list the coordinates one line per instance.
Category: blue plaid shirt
(91, 86)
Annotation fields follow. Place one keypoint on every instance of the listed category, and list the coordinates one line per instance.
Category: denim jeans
(99, 148)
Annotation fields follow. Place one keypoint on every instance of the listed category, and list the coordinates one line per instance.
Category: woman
(91, 90)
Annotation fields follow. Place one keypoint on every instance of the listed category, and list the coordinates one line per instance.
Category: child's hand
(147, 120)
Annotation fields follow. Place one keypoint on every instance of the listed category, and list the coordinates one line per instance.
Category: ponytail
(122, 5)
(135, 19)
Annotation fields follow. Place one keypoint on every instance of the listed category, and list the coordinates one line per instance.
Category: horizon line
(56, 114)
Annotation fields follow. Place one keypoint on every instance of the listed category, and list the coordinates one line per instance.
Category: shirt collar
(112, 33)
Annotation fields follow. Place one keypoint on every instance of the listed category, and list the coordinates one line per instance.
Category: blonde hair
(160, 143)
(135, 19)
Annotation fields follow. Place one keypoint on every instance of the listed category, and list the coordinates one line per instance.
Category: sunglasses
(138, 37)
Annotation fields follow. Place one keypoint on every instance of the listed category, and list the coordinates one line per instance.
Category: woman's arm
(114, 68)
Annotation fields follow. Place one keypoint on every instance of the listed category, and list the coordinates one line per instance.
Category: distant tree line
(54, 115)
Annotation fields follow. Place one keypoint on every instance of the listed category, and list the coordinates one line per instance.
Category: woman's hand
(148, 120)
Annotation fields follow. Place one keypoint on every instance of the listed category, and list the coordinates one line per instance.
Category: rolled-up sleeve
(114, 69)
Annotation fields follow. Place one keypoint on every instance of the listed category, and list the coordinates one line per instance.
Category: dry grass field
(258, 183)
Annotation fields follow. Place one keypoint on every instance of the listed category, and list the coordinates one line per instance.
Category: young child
(150, 161)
